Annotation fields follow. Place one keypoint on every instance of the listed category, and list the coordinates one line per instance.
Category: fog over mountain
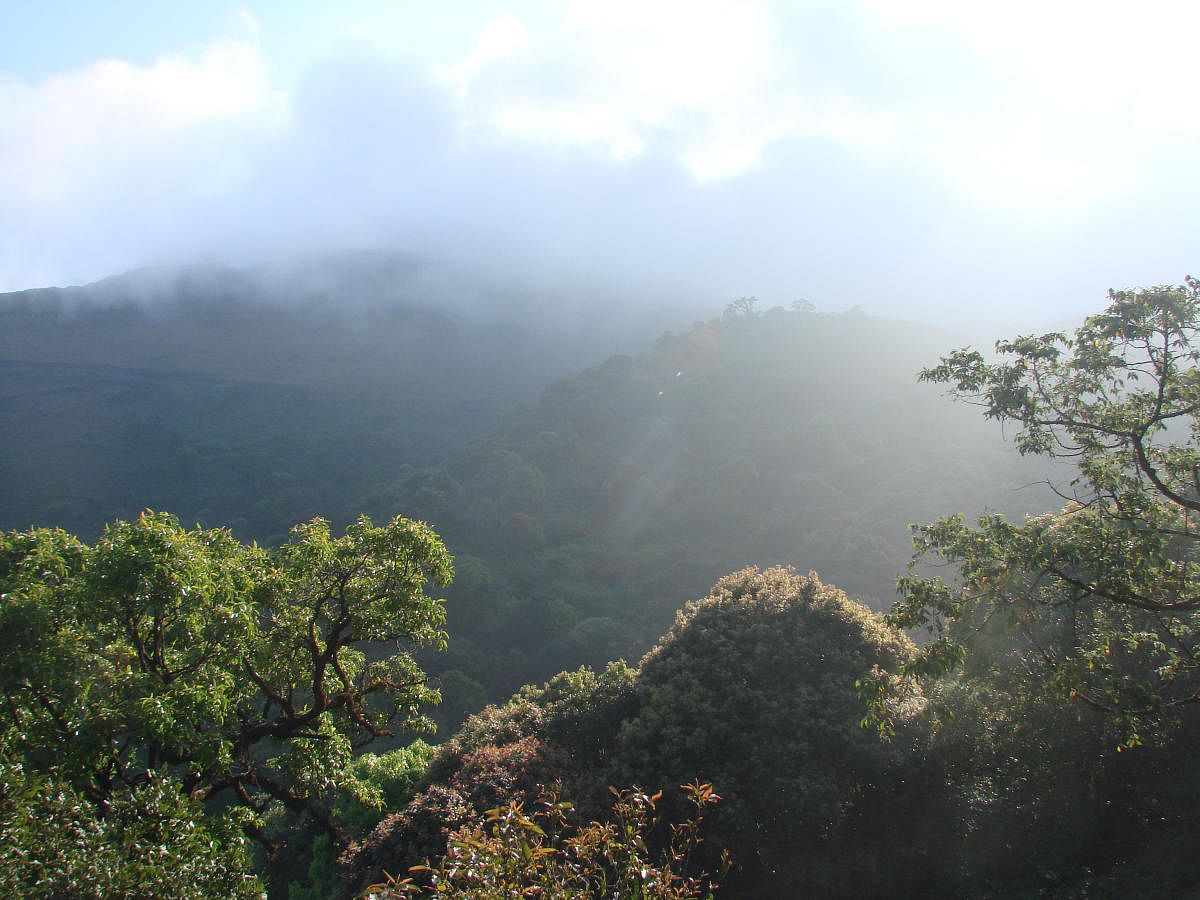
(418, 420)
(922, 161)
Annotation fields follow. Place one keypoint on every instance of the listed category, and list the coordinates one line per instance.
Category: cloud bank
(931, 159)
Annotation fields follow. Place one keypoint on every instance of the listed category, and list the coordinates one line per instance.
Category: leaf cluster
(151, 842)
(244, 676)
(545, 853)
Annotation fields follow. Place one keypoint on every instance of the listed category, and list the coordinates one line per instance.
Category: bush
(546, 854)
(755, 689)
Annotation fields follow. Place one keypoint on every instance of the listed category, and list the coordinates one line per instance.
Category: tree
(242, 675)
(753, 688)
(1101, 600)
(742, 307)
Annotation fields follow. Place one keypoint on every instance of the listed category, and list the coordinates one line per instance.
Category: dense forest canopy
(781, 437)
(190, 714)
(422, 474)
(257, 399)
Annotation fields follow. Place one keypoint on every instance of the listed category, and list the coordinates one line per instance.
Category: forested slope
(1037, 745)
(790, 437)
(256, 398)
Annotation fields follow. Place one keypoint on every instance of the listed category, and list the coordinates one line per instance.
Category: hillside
(766, 444)
(790, 437)
(257, 398)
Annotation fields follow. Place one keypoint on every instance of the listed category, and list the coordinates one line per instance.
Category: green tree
(1100, 601)
(396, 775)
(152, 842)
(240, 674)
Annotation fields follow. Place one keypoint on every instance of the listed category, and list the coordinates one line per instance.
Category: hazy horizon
(997, 164)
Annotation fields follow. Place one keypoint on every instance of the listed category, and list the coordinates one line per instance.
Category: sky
(936, 160)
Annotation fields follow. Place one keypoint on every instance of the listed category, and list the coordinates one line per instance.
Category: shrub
(512, 853)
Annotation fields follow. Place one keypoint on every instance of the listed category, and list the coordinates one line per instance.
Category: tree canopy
(754, 686)
(242, 676)
(1104, 595)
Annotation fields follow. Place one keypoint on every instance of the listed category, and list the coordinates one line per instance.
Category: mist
(418, 413)
(931, 165)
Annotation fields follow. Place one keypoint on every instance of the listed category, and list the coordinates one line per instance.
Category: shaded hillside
(788, 437)
(257, 398)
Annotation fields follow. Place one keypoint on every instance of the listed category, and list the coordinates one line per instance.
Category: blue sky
(930, 159)
(56, 35)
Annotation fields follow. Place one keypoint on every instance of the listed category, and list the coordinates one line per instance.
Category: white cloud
(61, 132)
(1083, 95)
(90, 150)
(722, 146)
(1061, 98)
(503, 37)
(706, 79)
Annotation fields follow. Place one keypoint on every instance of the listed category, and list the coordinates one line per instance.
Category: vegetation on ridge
(183, 713)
